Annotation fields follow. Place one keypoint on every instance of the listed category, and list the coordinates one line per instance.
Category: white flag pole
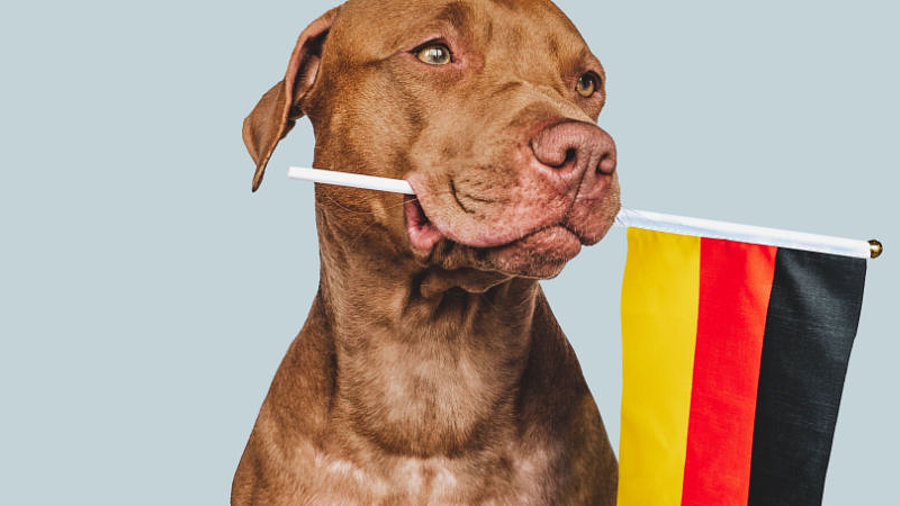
(644, 219)
(352, 180)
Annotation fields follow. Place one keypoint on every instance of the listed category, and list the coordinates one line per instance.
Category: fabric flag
(734, 358)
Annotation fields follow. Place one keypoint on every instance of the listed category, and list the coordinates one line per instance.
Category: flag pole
(644, 219)
(749, 234)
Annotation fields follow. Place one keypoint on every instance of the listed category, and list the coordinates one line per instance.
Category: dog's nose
(574, 152)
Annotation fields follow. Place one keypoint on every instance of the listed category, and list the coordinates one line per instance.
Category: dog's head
(487, 107)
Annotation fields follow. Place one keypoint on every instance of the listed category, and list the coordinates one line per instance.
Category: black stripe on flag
(810, 327)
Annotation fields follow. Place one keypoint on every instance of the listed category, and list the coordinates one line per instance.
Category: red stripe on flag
(735, 285)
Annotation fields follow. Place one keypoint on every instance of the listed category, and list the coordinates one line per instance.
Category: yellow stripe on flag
(660, 300)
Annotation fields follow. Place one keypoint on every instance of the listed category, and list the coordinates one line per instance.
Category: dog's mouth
(550, 246)
(423, 234)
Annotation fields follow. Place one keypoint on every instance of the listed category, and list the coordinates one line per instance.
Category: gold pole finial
(876, 248)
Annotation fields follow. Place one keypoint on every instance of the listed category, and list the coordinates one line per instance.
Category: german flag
(734, 358)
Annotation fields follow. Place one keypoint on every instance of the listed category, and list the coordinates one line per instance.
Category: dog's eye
(435, 54)
(588, 84)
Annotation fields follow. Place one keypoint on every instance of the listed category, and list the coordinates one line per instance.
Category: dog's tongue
(422, 233)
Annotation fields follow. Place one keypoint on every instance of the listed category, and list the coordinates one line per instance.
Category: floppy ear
(280, 108)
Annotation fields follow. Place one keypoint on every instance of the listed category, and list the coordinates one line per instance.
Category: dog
(430, 369)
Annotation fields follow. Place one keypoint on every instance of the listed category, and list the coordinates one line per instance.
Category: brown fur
(438, 375)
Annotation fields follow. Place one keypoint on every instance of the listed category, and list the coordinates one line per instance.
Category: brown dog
(430, 369)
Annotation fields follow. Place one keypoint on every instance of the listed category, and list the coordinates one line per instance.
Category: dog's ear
(280, 108)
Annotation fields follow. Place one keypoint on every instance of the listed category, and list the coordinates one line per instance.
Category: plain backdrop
(146, 297)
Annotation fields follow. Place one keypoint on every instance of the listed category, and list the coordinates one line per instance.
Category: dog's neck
(424, 362)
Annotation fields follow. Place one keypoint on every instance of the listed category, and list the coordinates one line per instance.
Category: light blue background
(147, 297)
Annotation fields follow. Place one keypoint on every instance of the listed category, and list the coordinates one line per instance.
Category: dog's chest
(519, 477)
